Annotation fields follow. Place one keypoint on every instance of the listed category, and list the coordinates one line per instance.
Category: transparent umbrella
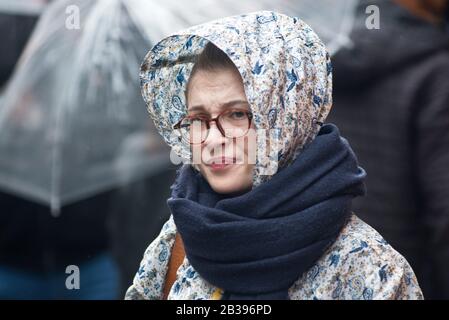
(332, 20)
(23, 7)
(72, 120)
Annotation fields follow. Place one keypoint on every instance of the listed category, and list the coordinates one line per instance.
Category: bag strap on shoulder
(176, 259)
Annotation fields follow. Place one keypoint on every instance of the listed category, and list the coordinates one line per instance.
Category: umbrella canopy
(72, 120)
(331, 20)
(23, 7)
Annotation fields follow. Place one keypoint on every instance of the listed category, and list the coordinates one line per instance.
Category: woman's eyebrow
(228, 104)
(197, 108)
(233, 103)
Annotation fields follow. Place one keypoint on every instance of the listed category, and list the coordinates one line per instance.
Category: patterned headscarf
(286, 72)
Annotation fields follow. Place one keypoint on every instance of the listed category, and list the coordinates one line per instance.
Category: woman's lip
(219, 166)
(221, 161)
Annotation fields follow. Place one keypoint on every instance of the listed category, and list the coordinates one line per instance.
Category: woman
(258, 87)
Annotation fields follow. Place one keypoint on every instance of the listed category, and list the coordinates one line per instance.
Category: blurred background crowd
(84, 176)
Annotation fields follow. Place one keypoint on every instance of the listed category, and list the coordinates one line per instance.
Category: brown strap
(176, 259)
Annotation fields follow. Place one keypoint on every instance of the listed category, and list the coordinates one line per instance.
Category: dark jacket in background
(122, 221)
(391, 100)
(31, 239)
(15, 30)
(138, 212)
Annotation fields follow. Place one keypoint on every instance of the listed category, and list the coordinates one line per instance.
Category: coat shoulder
(359, 265)
(150, 277)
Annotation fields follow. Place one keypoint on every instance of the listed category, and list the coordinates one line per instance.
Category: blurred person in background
(103, 235)
(16, 25)
(36, 248)
(14, 32)
(138, 211)
(391, 96)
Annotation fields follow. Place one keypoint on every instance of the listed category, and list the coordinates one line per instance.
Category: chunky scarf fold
(257, 244)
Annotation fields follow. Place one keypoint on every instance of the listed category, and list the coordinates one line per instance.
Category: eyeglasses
(232, 123)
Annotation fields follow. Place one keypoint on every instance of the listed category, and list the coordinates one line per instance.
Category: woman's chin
(234, 178)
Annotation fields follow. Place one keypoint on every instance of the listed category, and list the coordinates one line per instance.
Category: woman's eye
(238, 114)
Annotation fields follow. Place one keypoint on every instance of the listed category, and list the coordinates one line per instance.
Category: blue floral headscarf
(286, 72)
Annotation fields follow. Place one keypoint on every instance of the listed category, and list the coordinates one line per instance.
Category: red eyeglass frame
(217, 122)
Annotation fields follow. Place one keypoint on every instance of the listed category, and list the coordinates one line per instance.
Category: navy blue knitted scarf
(257, 244)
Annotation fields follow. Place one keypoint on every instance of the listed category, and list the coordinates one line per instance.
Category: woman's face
(209, 94)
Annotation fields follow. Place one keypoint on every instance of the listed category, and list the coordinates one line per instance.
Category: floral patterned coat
(359, 265)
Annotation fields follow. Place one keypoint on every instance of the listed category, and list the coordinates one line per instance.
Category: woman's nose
(214, 135)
